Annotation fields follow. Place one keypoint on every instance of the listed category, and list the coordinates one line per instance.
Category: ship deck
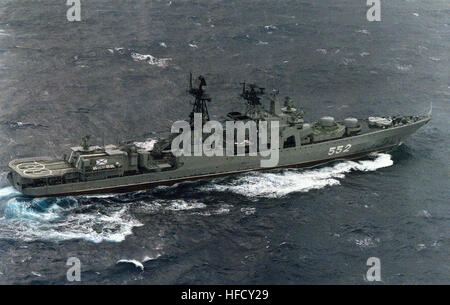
(40, 167)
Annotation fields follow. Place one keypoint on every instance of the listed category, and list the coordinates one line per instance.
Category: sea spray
(275, 185)
(57, 219)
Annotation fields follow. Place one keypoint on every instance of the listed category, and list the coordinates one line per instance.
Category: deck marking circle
(34, 165)
(34, 169)
(37, 172)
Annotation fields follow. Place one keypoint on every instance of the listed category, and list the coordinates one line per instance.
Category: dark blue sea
(122, 72)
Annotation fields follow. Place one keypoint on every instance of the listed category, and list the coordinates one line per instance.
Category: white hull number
(339, 149)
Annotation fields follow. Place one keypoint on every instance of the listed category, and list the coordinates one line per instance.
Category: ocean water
(122, 72)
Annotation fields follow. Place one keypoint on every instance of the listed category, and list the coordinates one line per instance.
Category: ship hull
(195, 168)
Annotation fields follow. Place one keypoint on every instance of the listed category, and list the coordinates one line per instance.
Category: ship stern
(13, 180)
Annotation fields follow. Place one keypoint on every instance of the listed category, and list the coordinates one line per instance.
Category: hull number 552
(339, 149)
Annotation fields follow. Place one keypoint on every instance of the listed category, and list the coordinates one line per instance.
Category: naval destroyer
(91, 169)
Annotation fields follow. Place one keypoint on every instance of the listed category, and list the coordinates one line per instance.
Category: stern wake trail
(8, 192)
(57, 219)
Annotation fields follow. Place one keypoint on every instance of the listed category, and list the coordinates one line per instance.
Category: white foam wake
(182, 205)
(403, 68)
(3, 33)
(65, 218)
(169, 205)
(159, 62)
(136, 263)
(275, 185)
(150, 59)
(8, 192)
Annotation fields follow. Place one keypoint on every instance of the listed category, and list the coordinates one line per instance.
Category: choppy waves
(59, 219)
(150, 59)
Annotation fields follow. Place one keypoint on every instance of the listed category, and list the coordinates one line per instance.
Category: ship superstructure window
(289, 142)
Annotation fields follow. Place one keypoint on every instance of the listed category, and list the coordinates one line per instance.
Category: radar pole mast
(253, 98)
(199, 105)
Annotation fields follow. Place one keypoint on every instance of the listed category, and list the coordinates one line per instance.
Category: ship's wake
(58, 219)
(282, 183)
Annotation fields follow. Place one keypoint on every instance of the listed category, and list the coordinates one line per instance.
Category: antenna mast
(252, 96)
(85, 142)
(201, 98)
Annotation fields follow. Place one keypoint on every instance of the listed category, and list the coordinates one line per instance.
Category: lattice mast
(200, 100)
(252, 96)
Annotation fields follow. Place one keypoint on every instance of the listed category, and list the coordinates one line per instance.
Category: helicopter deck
(40, 167)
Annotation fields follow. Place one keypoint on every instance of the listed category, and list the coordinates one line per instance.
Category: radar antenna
(85, 142)
(253, 98)
(201, 98)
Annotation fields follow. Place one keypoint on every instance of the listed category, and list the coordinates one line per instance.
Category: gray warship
(92, 169)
